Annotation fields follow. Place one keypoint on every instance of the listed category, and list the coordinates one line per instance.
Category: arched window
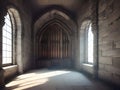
(7, 38)
(86, 43)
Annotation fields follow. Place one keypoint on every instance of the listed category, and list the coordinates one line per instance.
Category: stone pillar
(2, 14)
(94, 9)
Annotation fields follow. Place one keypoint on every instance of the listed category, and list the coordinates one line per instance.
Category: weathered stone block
(105, 75)
(113, 36)
(105, 60)
(112, 69)
(116, 62)
(117, 44)
(112, 53)
(101, 66)
(107, 47)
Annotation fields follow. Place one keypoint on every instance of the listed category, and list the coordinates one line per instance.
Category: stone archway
(17, 37)
(54, 40)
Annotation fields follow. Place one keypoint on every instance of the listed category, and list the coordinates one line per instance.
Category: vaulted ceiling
(39, 7)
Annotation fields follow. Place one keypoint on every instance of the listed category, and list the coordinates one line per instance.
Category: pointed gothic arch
(64, 26)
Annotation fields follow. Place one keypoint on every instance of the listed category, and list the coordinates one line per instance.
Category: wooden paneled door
(54, 47)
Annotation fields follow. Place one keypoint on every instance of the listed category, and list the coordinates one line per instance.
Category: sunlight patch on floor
(33, 79)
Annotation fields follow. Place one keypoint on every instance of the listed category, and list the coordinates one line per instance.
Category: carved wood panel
(54, 44)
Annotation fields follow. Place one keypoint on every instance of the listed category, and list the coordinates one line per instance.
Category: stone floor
(55, 80)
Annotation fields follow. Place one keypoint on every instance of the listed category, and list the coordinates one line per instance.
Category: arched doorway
(54, 40)
(54, 47)
(54, 43)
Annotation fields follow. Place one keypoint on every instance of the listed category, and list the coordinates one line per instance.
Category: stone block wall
(109, 40)
(26, 42)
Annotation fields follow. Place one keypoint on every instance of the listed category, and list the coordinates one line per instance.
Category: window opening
(90, 44)
(7, 41)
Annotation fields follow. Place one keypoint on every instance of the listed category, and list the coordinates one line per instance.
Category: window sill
(10, 71)
(88, 65)
(8, 67)
(88, 68)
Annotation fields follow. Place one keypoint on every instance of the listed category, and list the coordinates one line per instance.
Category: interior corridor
(52, 44)
(55, 80)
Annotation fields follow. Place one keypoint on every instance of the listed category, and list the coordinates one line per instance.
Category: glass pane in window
(4, 47)
(8, 54)
(9, 60)
(8, 29)
(4, 40)
(90, 45)
(7, 41)
(9, 35)
(4, 54)
(4, 33)
(4, 60)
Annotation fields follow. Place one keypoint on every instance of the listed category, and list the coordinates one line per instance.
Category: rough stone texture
(116, 62)
(105, 60)
(109, 36)
(117, 44)
(101, 66)
(105, 75)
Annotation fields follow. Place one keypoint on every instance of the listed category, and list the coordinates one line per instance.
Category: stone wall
(108, 59)
(23, 39)
(26, 44)
(109, 40)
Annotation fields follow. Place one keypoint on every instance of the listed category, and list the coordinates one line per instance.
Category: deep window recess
(87, 43)
(90, 44)
(7, 41)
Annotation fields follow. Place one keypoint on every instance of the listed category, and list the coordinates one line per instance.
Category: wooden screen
(54, 44)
